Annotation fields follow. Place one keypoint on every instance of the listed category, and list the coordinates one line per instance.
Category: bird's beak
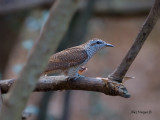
(109, 45)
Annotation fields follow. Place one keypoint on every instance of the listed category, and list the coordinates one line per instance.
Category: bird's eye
(98, 42)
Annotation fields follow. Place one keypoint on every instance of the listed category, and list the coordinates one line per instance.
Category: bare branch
(53, 83)
(51, 34)
(10, 6)
(147, 27)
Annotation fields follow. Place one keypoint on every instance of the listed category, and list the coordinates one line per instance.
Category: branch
(51, 34)
(10, 6)
(53, 83)
(147, 27)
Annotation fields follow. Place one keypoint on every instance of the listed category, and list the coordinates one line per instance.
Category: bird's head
(96, 44)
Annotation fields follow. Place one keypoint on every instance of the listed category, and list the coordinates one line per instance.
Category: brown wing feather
(67, 58)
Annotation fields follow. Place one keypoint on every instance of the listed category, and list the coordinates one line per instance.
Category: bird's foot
(78, 76)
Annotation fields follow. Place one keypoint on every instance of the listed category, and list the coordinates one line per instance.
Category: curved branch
(147, 27)
(53, 83)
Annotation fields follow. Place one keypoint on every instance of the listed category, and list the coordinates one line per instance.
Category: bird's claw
(78, 76)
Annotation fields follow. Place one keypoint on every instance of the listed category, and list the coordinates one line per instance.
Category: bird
(70, 61)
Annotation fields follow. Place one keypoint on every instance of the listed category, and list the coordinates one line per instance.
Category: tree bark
(54, 83)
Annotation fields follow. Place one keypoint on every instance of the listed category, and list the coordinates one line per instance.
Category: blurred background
(116, 22)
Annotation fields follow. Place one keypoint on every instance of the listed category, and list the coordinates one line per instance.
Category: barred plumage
(70, 60)
(65, 59)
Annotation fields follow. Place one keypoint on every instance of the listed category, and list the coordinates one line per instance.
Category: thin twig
(53, 83)
(147, 27)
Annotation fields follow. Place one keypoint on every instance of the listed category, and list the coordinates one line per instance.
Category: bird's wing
(67, 58)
